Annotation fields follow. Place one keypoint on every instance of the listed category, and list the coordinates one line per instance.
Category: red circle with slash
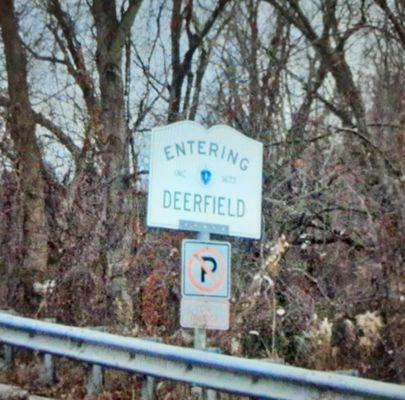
(218, 280)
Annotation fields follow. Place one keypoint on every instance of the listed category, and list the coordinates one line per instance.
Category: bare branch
(181, 68)
(58, 132)
(78, 70)
(396, 22)
(41, 57)
(125, 25)
(292, 141)
(391, 168)
(334, 58)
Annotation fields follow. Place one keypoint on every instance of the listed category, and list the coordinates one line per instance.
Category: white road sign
(204, 313)
(205, 180)
(206, 269)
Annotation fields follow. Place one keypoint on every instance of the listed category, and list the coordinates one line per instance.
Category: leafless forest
(320, 83)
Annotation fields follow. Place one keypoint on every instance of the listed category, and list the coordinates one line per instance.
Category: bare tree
(21, 124)
(112, 34)
(185, 19)
(333, 57)
(108, 125)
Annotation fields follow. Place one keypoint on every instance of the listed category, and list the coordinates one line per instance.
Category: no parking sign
(206, 269)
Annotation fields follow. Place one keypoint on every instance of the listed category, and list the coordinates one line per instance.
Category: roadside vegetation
(320, 84)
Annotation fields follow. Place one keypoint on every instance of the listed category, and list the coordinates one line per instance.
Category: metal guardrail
(220, 372)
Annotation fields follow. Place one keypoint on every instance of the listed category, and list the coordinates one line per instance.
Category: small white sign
(204, 313)
(206, 269)
(205, 180)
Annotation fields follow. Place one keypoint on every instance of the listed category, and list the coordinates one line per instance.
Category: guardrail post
(149, 382)
(212, 394)
(94, 384)
(8, 354)
(47, 375)
(95, 381)
(148, 388)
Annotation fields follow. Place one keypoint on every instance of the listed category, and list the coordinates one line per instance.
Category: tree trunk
(117, 190)
(115, 137)
(21, 124)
